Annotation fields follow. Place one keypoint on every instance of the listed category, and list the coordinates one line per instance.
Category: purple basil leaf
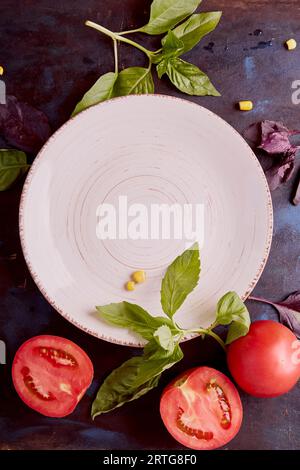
(23, 126)
(271, 136)
(274, 137)
(288, 309)
(280, 171)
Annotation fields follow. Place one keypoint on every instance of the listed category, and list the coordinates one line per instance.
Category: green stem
(208, 332)
(216, 337)
(117, 37)
(130, 31)
(213, 325)
(116, 55)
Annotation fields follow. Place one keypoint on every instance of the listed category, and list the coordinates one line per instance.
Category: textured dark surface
(50, 60)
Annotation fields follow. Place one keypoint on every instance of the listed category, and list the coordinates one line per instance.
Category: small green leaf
(165, 14)
(189, 79)
(102, 90)
(134, 378)
(163, 335)
(232, 310)
(195, 28)
(134, 81)
(133, 317)
(172, 47)
(161, 67)
(180, 279)
(13, 164)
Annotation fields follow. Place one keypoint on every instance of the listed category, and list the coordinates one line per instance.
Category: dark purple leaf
(23, 126)
(273, 138)
(270, 136)
(281, 171)
(288, 309)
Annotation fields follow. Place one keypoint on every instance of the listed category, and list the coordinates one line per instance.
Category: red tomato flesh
(51, 374)
(201, 409)
(265, 363)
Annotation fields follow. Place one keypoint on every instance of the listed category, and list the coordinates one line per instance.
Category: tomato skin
(51, 374)
(192, 413)
(261, 362)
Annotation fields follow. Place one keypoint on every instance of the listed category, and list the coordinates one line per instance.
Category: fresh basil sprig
(140, 374)
(164, 15)
(13, 164)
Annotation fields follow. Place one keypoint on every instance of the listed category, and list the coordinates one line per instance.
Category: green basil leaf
(195, 28)
(134, 81)
(172, 47)
(157, 360)
(13, 164)
(134, 378)
(102, 90)
(163, 336)
(133, 317)
(161, 67)
(232, 310)
(180, 279)
(165, 14)
(120, 387)
(189, 79)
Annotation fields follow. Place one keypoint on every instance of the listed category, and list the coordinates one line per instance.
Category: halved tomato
(201, 409)
(51, 374)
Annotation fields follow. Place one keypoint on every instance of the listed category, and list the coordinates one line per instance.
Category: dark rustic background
(50, 60)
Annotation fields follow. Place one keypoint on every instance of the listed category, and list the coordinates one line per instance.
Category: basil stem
(117, 37)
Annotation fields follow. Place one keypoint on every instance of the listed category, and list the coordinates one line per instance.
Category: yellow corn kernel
(291, 44)
(139, 276)
(1, 70)
(245, 105)
(130, 285)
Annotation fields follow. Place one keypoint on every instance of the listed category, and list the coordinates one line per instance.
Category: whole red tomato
(265, 362)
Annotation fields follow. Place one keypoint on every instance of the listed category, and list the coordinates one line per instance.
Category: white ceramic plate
(153, 149)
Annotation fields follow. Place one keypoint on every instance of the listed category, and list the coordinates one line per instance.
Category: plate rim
(32, 171)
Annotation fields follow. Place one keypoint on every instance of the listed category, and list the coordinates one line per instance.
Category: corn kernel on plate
(150, 149)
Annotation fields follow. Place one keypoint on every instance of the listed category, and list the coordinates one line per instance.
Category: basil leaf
(232, 310)
(172, 47)
(189, 79)
(134, 81)
(134, 378)
(101, 90)
(180, 279)
(13, 163)
(133, 317)
(165, 14)
(120, 387)
(195, 28)
(157, 360)
(161, 67)
(163, 336)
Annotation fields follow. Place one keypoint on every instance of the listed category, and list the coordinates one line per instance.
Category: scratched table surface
(50, 60)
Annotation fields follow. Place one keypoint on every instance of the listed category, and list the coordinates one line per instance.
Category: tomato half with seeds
(51, 374)
(202, 409)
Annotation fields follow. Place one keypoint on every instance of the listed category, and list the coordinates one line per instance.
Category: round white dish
(152, 149)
